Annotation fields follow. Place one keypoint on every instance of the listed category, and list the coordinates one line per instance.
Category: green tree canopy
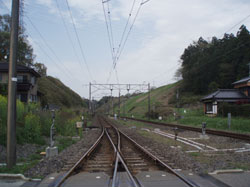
(216, 63)
(25, 54)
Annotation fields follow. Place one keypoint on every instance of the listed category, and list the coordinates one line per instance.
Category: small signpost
(229, 120)
(204, 125)
(203, 131)
(175, 133)
(52, 150)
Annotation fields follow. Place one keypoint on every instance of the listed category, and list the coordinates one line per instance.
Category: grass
(196, 117)
(64, 142)
(138, 105)
(19, 168)
(26, 164)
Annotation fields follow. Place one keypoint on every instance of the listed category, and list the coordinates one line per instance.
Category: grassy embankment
(163, 102)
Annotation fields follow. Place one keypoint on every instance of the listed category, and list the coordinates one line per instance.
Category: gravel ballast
(67, 156)
(175, 152)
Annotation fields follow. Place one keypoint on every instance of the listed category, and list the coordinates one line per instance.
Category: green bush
(46, 122)
(3, 119)
(152, 114)
(65, 122)
(20, 111)
(235, 110)
(32, 129)
(33, 107)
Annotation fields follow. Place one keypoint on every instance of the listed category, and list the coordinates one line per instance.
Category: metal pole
(149, 101)
(119, 104)
(11, 119)
(90, 98)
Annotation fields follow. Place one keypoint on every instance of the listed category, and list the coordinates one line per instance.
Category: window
(33, 80)
(209, 107)
(22, 78)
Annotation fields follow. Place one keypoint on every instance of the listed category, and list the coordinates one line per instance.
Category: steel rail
(183, 178)
(68, 173)
(122, 161)
(156, 159)
(197, 129)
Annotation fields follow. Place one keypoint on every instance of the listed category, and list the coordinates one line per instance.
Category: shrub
(234, 109)
(20, 111)
(32, 129)
(46, 122)
(3, 119)
(152, 114)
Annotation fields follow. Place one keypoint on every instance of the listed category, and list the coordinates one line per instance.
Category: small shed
(213, 100)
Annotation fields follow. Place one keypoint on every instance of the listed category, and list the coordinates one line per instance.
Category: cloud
(163, 30)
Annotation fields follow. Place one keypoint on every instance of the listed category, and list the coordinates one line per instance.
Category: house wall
(32, 93)
(4, 78)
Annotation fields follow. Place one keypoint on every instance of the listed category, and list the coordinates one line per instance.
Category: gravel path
(57, 163)
(22, 151)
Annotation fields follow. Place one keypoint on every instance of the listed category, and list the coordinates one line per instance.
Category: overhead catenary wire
(78, 40)
(109, 38)
(67, 32)
(125, 36)
(116, 56)
(119, 46)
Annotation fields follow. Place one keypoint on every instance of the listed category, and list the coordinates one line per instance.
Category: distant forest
(209, 65)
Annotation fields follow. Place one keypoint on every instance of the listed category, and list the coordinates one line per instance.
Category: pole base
(51, 152)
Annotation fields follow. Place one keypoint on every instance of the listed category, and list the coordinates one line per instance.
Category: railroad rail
(115, 152)
(197, 129)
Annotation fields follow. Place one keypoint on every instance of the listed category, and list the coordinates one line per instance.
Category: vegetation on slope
(55, 92)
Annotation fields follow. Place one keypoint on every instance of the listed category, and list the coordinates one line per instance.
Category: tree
(215, 64)
(25, 51)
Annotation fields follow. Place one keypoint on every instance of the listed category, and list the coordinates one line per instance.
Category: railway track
(196, 129)
(120, 158)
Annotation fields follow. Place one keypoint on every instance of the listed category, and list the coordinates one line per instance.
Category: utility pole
(11, 119)
(89, 98)
(149, 101)
(119, 104)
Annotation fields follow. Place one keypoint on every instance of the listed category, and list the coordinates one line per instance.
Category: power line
(67, 73)
(45, 42)
(125, 28)
(109, 38)
(78, 40)
(123, 41)
(68, 34)
(237, 24)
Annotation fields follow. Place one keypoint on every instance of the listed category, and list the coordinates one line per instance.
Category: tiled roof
(4, 67)
(226, 94)
(246, 79)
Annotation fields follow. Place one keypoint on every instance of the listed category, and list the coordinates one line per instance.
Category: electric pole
(11, 118)
(119, 104)
(90, 98)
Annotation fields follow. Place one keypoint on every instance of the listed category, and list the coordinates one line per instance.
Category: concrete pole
(119, 103)
(89, 98)
(11, 118)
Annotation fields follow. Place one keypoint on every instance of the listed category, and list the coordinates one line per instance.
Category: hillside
(55, 92)
(137, 105)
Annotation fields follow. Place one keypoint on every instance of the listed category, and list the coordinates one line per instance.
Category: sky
(77, 49)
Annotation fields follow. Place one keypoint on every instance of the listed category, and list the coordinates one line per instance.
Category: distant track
(196, 129)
